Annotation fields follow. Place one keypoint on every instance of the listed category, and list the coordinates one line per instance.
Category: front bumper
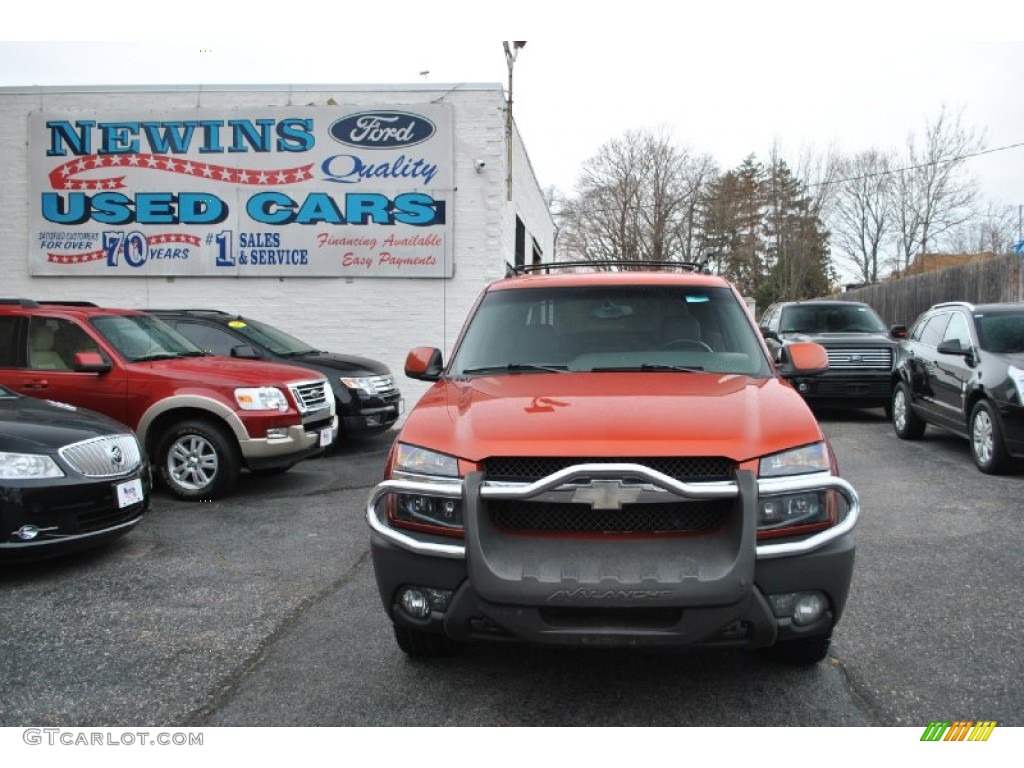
(847, 389)
(299, 441)
(669, 591)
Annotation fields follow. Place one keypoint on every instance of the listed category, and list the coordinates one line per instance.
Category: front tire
(421, 644)
(198, 460)
(907, 424)
(987, 447)
(808, 650)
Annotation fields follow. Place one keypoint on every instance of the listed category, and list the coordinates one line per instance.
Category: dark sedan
(69, 478)
(962, 369)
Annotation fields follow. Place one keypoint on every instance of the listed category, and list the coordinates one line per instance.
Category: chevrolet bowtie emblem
(606, 494)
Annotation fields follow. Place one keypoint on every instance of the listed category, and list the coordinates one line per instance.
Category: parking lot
(260, 609)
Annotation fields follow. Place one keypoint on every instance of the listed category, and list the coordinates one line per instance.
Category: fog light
(803, 608)
(419, 602)
(276, 433)
(27, 532)
(804, 387)
(808, 609)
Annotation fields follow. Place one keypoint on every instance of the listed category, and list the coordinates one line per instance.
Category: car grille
(311, 396)
(103, 456)
(861, 358)
(384, 385)
(549, 518)
(104, 517)
(685, 468)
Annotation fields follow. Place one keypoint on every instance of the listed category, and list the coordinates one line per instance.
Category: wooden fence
(899, 302)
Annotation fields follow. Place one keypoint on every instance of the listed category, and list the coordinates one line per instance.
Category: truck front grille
(311, 396)
(862, 358)
(526, 469)
(553, 518)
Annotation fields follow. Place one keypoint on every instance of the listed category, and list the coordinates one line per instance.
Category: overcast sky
(727, 81)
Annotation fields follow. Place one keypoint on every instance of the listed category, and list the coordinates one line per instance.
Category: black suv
(69, 478)
(860, 349)
(365, 393)
(962, 369)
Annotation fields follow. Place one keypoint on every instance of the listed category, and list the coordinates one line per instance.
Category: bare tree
(995, 231)
(636, 200)
(932, 192)
(862, 219)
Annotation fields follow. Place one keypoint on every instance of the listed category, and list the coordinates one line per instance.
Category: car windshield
(830, 318)
(144, 337)
(1001, 332)
(639, 328)
(277, 341)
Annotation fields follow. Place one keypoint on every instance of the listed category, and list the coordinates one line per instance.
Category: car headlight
(361, 383)
(261, 399)
(792, 510)
(796, 461)
(410, 458)
(27, 466)
(437, 514)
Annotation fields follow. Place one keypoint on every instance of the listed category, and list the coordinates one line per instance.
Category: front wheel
(419, 643)
(987, 447)
(808, 650)
(907, 424)
(198, 460)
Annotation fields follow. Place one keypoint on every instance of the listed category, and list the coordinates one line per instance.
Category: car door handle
(36, 384)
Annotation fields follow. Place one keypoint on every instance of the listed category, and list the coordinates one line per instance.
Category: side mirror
(89, 362)
(803, 358)
(424, 363)
(898, 331)
(768, 333)
(245, 351)
(953, 347)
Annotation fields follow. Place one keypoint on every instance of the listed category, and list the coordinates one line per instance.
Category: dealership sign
(284, 192)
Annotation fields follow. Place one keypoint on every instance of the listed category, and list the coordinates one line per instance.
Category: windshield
(612, 328)
(144, 337)
(277, 341)
(830, 318)
(1001, 332)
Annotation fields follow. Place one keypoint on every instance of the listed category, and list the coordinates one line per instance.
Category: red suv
(613, 459)
(201, 418)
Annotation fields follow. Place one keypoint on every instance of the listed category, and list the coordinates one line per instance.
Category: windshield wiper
(649, 367)
(155, 356)
(515, 368)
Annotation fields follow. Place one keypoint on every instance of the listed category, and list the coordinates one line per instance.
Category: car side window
(8, 342)
(931, 331)
(53, 343)
(209, 338)
(957, 330)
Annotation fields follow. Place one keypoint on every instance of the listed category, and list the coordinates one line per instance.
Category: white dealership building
(362, 219)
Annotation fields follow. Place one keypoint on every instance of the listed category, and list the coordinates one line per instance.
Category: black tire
(907, 424)
(198, 460)
(987, 447)
(421, 644)
(808, 650)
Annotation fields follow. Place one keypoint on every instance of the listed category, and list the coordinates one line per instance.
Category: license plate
(129, 493)
(326, 437)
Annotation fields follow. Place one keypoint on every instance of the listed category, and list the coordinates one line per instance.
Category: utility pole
(510, 59)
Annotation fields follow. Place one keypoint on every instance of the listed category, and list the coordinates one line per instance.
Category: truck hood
(842, 339)
(334, 361)
(617, 414)
(226, 371)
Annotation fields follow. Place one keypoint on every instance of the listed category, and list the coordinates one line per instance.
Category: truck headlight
(424, 511)
(27, 466)
(261, 399)
(806, 510)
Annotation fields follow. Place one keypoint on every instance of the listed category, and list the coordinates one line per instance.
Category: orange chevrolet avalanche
(613, 459)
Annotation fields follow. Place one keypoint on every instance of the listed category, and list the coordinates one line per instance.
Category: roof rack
(68, 303)
(157, 310)
(687, 266)
(19, 302)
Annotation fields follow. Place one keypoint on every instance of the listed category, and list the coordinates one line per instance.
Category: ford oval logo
(382, 130)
